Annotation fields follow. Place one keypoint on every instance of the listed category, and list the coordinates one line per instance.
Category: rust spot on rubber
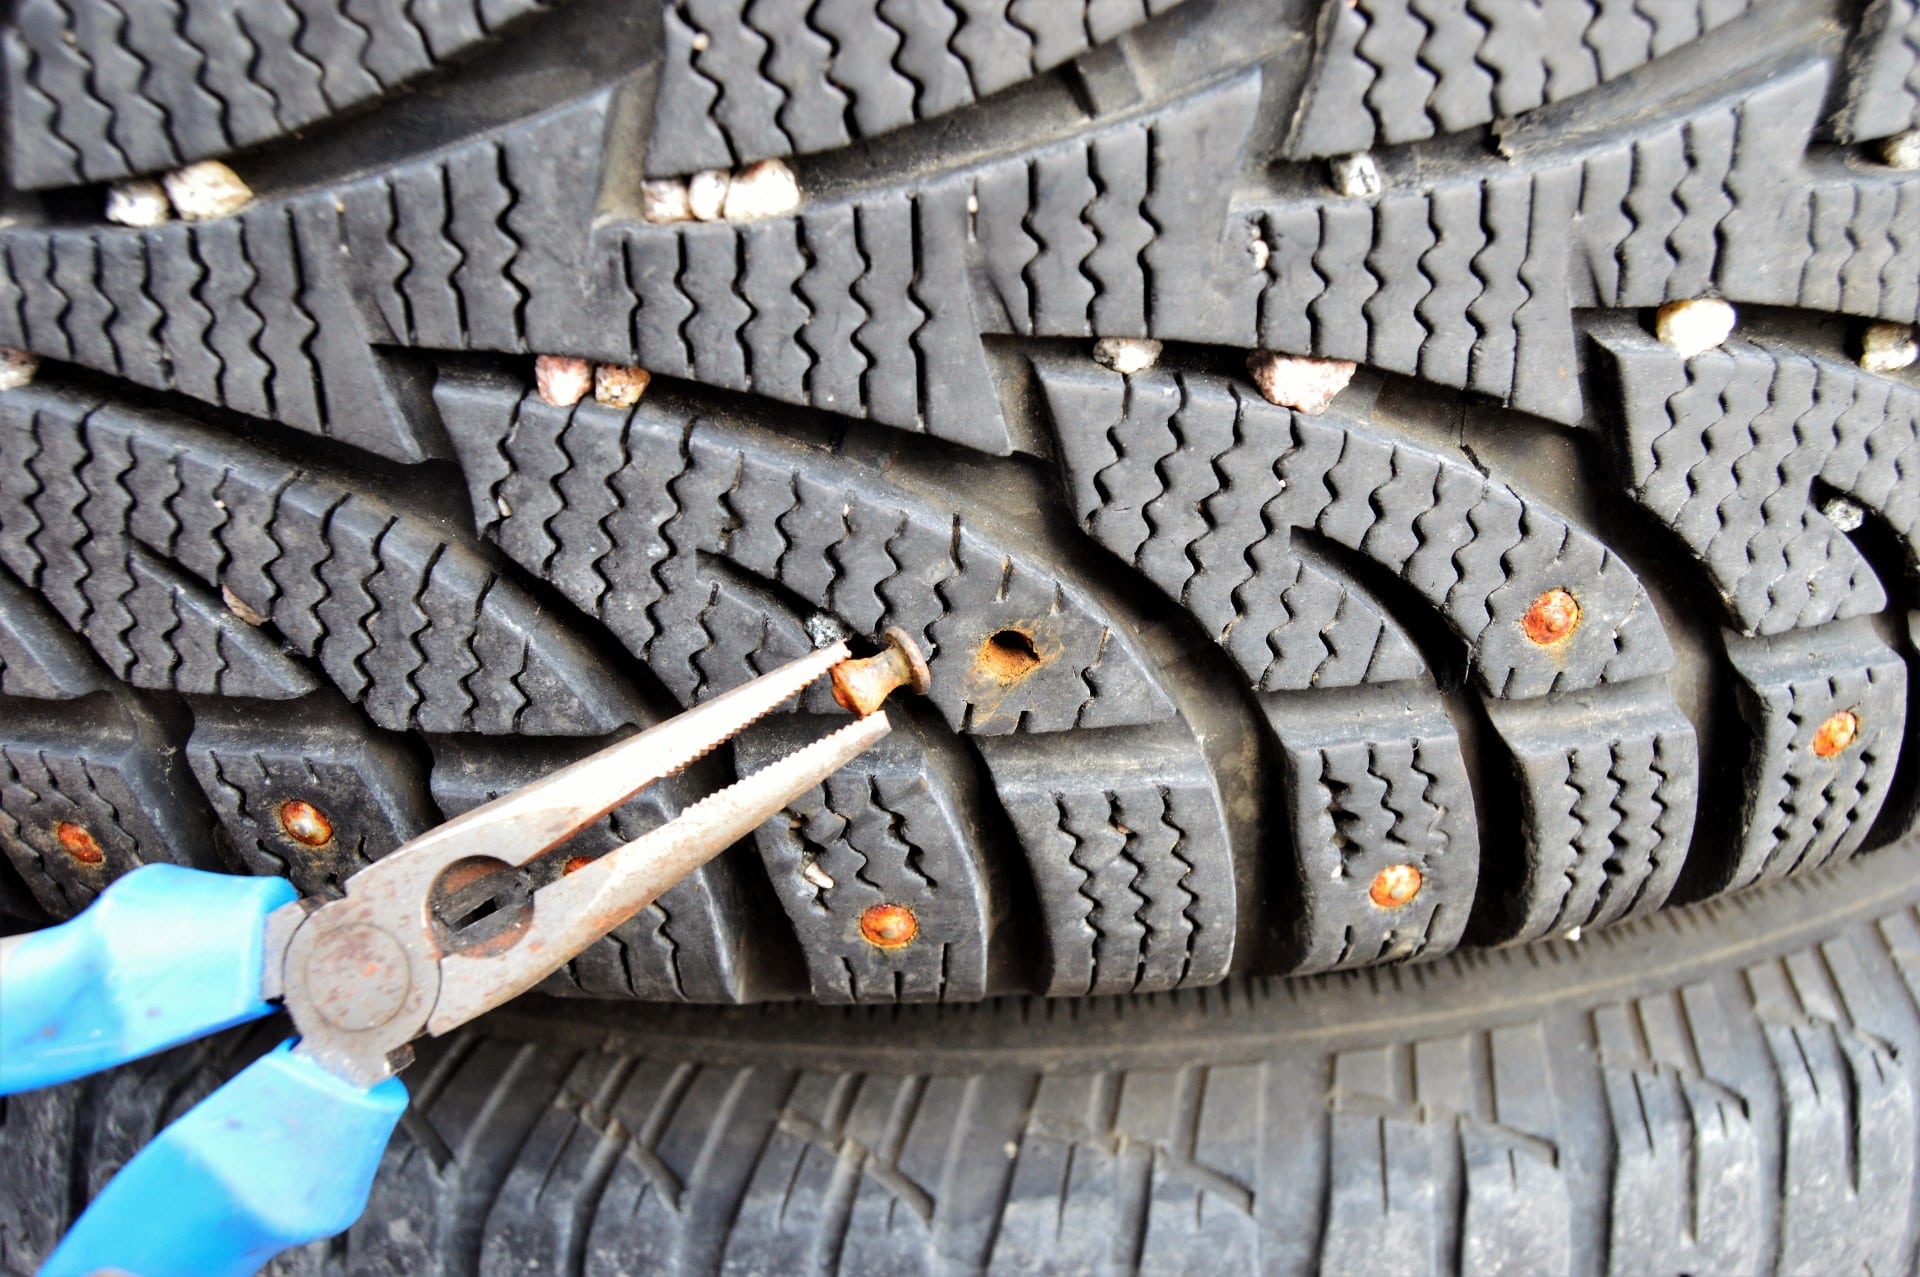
(78, 843)
(574, 864)
(1394, 886)
(861, 685)
(1839, 731)
(1007, 656)
(888, 926)
(1553, 617)
(305, 823)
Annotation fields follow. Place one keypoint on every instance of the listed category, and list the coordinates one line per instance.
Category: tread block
(1126, 840)
(687, 946)
(1687, 1180)
(871, 294)
(1376, 786)
(1203, 486)
(1839, 1042)
(107, 768)
(1712, 198)
(1608, 786)
(1803, 810)
(1883, 88)
(101, 90)
(892, 1132)
(252, 312)
(1405, 70)
(743, 81)
(39, 657)
(149, 626)
(123, 505)
(890, 828)
(1181, 1136)
(369, 788)
(1399, 1114)
(1725, 450)
(660, 488)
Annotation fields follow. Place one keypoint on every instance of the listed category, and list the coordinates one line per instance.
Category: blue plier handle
(286, 1152)
(282, 1154)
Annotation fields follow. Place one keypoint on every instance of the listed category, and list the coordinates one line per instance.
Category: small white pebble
(239, 608)
(1126, 354)
(1844, 514)
(1902, 150)
(500, 504)
(1356, 176)
(206, 190)
(1011, 1149)
(1888, 347)
(766, 189)
(1694, 325)
(824, 630)
(700, 41)
(139, 202)
(17, 368)
(665, 200)
(619, 386)
(1573, 933)
(1257, 246)
(707, 194)
(814, 874)
(562, 380)
(1299, 381)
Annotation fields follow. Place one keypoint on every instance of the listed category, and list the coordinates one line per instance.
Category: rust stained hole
(1836, 733)
(78, 843)
(1007, 656)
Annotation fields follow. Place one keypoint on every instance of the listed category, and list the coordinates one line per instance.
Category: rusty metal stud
(888, 926)
(1394, 886)
(305, 823)
(78, 843)
(1836, 733)
(1554, 616)
(861, 686)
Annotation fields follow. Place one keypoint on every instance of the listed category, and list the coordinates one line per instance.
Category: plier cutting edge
(286, 1151)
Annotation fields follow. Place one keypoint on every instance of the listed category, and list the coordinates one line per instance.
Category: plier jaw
(365, 975)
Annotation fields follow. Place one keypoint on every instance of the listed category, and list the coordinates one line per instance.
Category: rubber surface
(283, 517)
(1725, 1088)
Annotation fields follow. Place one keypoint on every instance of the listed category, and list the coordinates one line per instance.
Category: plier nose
(366, 974)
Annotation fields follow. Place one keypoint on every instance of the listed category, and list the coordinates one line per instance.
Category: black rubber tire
(1725, 1088)
(1543, 625)
(283, 518)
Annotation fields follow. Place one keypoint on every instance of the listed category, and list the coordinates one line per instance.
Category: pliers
(286, 1151)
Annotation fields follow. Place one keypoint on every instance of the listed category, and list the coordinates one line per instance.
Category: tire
(283, 518)
(1541, 625)
(1565, 611)
(1724, 1088)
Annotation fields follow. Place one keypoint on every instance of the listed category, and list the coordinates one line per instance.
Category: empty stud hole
(1008, 656)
